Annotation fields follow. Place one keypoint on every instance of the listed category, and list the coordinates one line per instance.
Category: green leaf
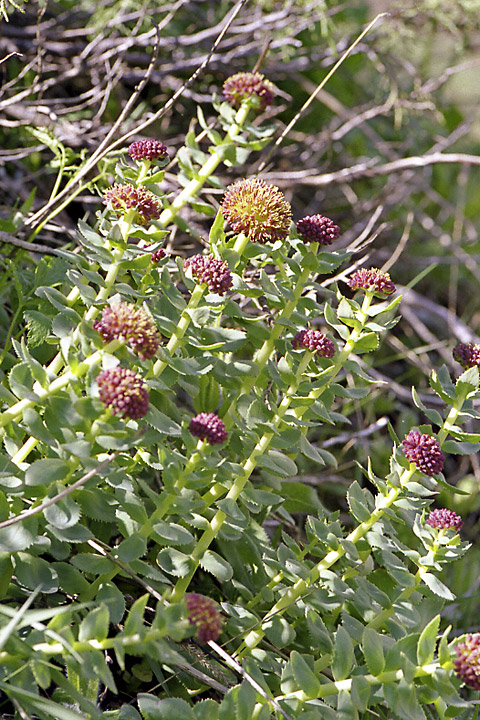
(70, 579)
(437, 587)
(302, 668)
(63, 514)
(38, 325)
(357, 503)
(427, 642)
(206, 710)
(171, 534)
(95, 625)
(345, 707)
(174, 562)
(109, 595)
(46, 471)
(366, 343)
(33, 572)
(468, 381)
(132, 548)
(343, 655)
(321, 639)
(19, 536)
(279, 631)
(278, 463)
(152, 708)
(373, 651)
(402, 699)
(217, 566)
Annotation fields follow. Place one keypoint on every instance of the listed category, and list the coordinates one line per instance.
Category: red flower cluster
(124, 391)
(316, 341)
(134, 325)
(123, 198)
(317, 228)
(147, 150)
(208, 427)
(424, 451)
(157, 255)
(203, 613)
(444, 519)
(245, 86)
(467, 354)
(467, 662)
(373, 280)
(258, 210)
(214, 273)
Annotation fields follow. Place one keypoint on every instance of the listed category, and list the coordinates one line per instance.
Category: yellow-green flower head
(258, 210)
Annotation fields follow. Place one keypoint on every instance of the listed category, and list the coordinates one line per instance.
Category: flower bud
(208, 427)
(317, 228)
(134, 325)
(467, 662)
(258, 210)
(443, 519)
(124, 392)
(245, 86)
(123, 198)
(372, 280)
(158, 255)
(467, 354)
(214, 273)
(204, 613)
(147, 150)
(424, 451)
(315, 341)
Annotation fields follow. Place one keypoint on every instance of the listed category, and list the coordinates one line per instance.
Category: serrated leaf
(46, 471)
(152, 708)
(38, 327)
(95, 625)
(279, 631)
(175, 562)
(373, 651)
(278, 463)
(171, 533)
(437, 587)
(65, 513)
(428, 641)
(216, 565)
(366, 343)
(33, 572)
(343, 655)
(304, 674)
(358, 503)
(131, 548)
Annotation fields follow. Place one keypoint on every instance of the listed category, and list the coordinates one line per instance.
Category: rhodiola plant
(147, 459)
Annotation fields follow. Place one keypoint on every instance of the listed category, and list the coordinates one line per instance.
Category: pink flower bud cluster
(443, 519)
(258, 210)
(317, 228)
(147, 150)
(124, 392)
(467, 354)
(158, 255)
(204, 614)
(372, 280)
(467, 662)
(214, 273)
(123, 198)
(315, 341)
(134, 325)
(424, 451)
(246, 85)
(208, 427)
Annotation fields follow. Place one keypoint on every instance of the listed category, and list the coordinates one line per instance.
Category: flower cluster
(258, 210)
(214, 273)
(315, 341)
(158, 255)
(127, 197)
(467, 662)
(424, 451)
(317, 228)
(147, 150)
(246, 86)
(209, 427)
(443, 519)
(467, 355)
(124, 392)
(203, 613)
(134, 325)
(372, 280)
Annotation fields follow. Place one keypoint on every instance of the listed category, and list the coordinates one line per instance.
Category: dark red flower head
(424, 451)
(214, 273)
(444, 519)
(134, 325)
(258, 210)
(467, 354)
(123, 198)
(317, 228)
(467, 662)
(124, 392)
(249, 86)
(147, 150)
(373, 280)
(204, 613)
(208, 427)
(314, 340)
(158, 255)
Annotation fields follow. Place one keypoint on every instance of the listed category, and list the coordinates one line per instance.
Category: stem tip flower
(203, 612)
(467, 354)
(123, 198)
(124, 392)
(424, 451)
(317, 228)
(372, 280)
(214, 273)
(444, 519)
(258, 210)
(158, 255)
(209, 427)
(249, 86)
(147, 149)
(134, 325)
(467, 662)
(314, 340)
